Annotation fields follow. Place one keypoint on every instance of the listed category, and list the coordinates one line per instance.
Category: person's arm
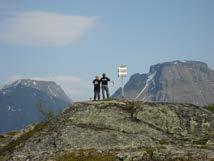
(108, 79)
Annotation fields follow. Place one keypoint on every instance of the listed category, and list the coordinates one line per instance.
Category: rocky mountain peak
(49, 87)
(29, 83)
(176, 81)
(19, 101)
(184, 63)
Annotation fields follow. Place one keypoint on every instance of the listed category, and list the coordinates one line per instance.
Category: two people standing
(101, 82)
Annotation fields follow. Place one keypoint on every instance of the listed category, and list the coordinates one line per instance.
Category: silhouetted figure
(96, 83)
(104, 80)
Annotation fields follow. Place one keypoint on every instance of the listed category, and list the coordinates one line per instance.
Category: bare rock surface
(127, 130)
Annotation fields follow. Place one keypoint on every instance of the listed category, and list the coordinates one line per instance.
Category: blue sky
(71, 41)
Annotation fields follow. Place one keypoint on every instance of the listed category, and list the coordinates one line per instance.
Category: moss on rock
(86, 155)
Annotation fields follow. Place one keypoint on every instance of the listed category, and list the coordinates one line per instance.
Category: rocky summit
(116, 130)
(176, 81)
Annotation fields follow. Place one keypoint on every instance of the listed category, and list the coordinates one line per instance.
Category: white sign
(122, 71)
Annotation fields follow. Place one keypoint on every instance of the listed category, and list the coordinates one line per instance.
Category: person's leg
(107, 91)
(94, 94)
(103, 92)
(98, 93)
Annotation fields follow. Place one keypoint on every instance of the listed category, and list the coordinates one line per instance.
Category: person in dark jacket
(96, 83)
(104, 80)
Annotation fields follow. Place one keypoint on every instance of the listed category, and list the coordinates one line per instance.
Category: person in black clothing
(104, 80)
(96, 83)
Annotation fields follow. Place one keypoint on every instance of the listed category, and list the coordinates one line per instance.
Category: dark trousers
(96, 94)
(105, 89)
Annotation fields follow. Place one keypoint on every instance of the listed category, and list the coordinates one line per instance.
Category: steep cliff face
(117, 131)
(177, 81)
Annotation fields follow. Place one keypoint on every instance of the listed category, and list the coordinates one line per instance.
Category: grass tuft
(202, 141)
(84, 155)
(210, 108)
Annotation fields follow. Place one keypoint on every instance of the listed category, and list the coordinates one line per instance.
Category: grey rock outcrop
(177, 81)
(129, 130)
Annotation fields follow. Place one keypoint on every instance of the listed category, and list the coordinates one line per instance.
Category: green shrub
(164, 142)
(150, 151)
(2, 158)
(11, 133)
(108, 99)
(202, 141)
(2, 137)
(84, 155)
(46, 113)
(211, 108)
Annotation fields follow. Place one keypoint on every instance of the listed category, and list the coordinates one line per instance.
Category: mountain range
(176, 81)
(19, 102)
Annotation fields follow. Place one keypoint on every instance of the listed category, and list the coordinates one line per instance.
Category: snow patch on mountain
(12, 109)
(149, 80)
(51, 92)
(49, 87)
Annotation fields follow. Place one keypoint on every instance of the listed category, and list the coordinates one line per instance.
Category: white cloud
(75, 87)
(44, 28)
(61, 78)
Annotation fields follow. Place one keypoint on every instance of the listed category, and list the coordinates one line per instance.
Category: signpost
(122, 72)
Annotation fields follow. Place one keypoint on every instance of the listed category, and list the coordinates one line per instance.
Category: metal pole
(123, 96)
